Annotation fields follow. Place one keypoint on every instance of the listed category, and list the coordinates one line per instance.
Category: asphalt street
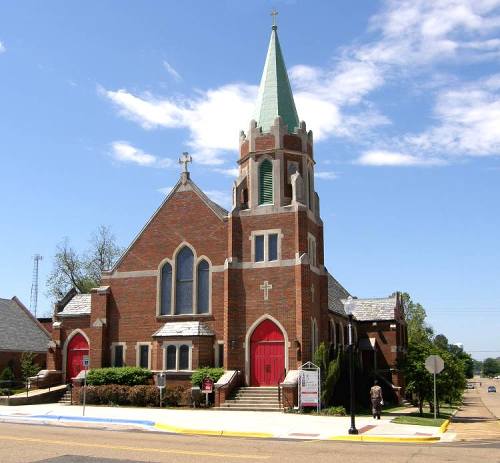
(62, 444)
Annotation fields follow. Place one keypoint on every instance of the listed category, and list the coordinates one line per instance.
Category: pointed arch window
(266, 182)
(166, 289)
(184, 282)
(203, 286)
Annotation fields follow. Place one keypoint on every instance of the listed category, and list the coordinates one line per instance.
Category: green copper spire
(275, 94)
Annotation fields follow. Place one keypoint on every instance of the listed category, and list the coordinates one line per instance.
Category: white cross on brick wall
(266, 287)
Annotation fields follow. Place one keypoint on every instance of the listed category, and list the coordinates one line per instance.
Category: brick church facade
(245, 289)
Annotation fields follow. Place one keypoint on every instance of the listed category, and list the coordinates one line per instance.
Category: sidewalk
(224, 423)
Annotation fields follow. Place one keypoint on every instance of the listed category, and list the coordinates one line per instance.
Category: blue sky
(98, 99)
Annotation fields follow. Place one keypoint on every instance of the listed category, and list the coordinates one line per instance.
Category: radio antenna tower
(34, 285)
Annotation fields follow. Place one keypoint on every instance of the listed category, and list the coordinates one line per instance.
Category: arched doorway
(77, 348)
(267, 355)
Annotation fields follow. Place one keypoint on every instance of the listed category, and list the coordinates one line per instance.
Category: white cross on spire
(274, 13)
(184, 159)
(266, 287)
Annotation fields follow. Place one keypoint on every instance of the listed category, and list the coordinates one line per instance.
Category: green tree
(28, 366)
(82, 271)
(491, 367)
(415, 315)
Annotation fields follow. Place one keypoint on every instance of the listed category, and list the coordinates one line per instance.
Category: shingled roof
(79, 305)
(336, 292)
(375, 309)
(19, 330)
(184, 329)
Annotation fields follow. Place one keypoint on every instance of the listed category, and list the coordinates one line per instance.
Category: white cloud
(468, 121)
(165, 190)
(2, 47)
(326, 175)
(123, 151)
(228, 172)
(213, 119)
(220, 197)
(390, 158)
(171, 70)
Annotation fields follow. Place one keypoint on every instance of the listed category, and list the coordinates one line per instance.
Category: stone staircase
(262, 399)
(66, 398)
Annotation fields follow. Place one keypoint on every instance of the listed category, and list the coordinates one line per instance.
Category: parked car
(492, 389)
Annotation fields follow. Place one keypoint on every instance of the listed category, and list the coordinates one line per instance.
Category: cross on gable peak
(185, 158)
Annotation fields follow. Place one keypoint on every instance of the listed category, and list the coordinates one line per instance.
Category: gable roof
(184, 329)
(336, 292)
(19, 330)
(78, 305)
(184, 184)
(375, 309)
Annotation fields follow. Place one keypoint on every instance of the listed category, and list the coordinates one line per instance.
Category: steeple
(275, 94)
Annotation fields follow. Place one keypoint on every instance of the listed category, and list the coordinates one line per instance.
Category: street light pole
(352, 429)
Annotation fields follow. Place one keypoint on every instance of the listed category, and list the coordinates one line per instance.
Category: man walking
(377, 400)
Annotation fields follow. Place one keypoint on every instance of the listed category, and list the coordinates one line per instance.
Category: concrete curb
(387, 439)
(77, 419)
(203, 432)
(444, 427)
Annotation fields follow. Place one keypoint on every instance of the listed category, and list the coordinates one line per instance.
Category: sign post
(85, 362)
(207, 387)
(309, 386)
(434, 364)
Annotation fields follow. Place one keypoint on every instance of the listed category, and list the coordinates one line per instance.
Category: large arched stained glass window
(184, 282)
(203, 286)
(166, 289)
(266, 182)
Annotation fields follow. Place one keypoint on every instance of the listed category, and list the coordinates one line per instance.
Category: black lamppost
(348, 304)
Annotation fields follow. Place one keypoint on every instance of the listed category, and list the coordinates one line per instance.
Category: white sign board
(434, 364)
(85, 361)
(309, 388)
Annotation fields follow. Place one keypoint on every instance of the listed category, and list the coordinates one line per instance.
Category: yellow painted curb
(444, 427)
(203, 432)
(421, 439)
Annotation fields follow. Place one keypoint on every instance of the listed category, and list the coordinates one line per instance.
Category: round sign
(434, 364)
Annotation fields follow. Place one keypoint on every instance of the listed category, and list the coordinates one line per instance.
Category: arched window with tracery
(203, 278)
(166, 289)
(184, 282)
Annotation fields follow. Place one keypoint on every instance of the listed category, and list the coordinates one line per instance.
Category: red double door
(77, 348)
(267, 354)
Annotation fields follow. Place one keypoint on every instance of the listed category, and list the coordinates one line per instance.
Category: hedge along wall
(139, 396)
(127, 376)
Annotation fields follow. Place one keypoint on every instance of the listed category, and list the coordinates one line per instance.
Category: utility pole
(34, 284)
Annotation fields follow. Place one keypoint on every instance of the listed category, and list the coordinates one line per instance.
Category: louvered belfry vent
(266, 182)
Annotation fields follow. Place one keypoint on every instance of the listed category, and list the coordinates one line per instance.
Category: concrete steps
(264, 399)
(66, 398)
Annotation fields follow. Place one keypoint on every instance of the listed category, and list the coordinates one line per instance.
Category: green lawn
(420, 420)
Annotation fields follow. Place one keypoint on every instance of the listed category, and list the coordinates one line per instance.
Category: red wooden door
(267, 354)
(77, 348)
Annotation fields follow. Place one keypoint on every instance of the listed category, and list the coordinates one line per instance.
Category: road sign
(85, 361)
(434, 364)
(207, 385)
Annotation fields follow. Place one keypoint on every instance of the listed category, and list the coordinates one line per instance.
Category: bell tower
(275, 269)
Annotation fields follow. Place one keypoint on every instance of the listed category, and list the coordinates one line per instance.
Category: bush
(206, 372)
(7, 374)
(5, 391)
(144, 396)
(126, 376)
(333, 411)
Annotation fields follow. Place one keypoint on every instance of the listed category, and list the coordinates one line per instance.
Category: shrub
(7, 374)
(206, 372)
(333, 411)
(144, 396)
(5, 391)
(126, 376)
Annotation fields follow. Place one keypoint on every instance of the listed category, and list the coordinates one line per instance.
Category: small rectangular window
(118, 356)
(220, 346)
(171, 357)
(259, 248)
(144, 356)
(273, 246)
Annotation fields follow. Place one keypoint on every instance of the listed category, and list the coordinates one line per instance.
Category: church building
(245, 289)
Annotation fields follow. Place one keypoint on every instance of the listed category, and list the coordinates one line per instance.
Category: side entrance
(77, 348)
(267, 355)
